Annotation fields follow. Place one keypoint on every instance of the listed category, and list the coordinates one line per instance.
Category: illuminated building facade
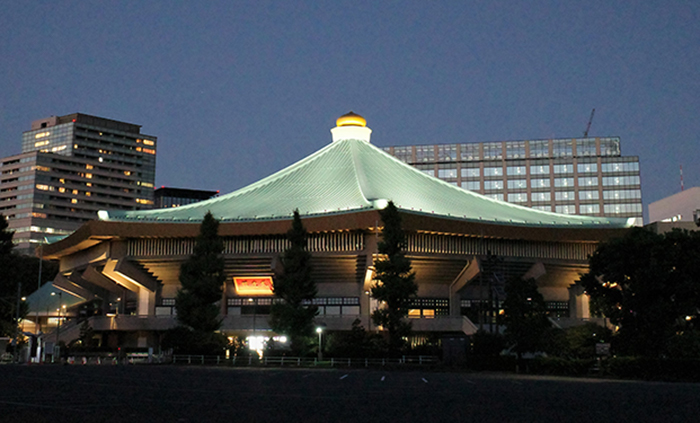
(131, 259)
(70, 167)
(165, 197)
(582, 176)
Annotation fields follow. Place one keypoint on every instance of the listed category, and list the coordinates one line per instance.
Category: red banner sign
(253, 286)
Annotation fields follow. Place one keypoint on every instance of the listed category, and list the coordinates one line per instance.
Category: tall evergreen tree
(202, 277)
(6, 235)
(8, 284)
(525, 316)
(295, 288)
(395, 280)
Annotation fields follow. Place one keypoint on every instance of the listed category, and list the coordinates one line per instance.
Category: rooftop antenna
(681, 177)
(588, 127)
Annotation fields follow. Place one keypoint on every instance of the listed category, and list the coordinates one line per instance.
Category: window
(590, 209)
(425, 153)
(620, 180)
(564, 196)
(563, 182)
(587, 167)
(588, 195)
(490, 185)
(404, 153)
(539, 170)
(471, 172)
(563, 168)
(539, 149)
(427, 169)
(447, 173)
(623, 208)
(585, 147)
(539, 183)
(520, 197)
(516, 170)
(588, 182)
(620, 167)
(562, 148)
(541, 196)
(609, 146)
(447, 152)
(566, 209)
(493, 151)
(471, 185)
(498, 197)
(470, 152)
(493, 171)
(515, 149)
(517, 184)
(631, 194)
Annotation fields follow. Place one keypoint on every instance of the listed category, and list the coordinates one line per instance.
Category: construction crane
(588, 127)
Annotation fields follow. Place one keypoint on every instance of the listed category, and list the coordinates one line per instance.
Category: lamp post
(41, 255)
(369, 310)
(56, 348)
(255, 312)
(319, 331)
(17, 328)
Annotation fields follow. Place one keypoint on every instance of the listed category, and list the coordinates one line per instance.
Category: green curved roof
(351, 175)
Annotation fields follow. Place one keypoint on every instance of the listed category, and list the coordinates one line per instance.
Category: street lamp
(319, 331)
(369, 309)
(56, 348)
(17, 328)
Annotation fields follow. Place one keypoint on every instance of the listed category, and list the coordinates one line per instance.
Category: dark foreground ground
(200, 394)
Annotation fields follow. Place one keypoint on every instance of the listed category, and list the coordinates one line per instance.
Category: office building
(131, 259)
(679, 207)
(69, 168)
(165, 197)
(580, 176)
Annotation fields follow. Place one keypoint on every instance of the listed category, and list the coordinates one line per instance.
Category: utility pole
(17, 328)
(36, 319)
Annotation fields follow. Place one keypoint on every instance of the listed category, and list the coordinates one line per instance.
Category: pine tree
(294, 316)
(8, 282)
(6, 235)
(525, 316)
(396, 284)
(202, 277)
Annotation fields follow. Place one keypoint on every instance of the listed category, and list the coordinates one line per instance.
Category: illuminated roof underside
(351, 175)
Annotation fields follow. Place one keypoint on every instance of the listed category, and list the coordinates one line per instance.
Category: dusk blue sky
(236, 90)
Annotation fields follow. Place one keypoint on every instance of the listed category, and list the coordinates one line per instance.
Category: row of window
(521, 184)
(513, 150)
(475, 172)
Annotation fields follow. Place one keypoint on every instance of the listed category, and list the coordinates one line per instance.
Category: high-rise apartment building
(584, 176)
(71, 167)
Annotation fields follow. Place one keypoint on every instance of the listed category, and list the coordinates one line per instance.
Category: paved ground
(197, 394)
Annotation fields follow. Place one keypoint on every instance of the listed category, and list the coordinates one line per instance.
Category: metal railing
(283, 361)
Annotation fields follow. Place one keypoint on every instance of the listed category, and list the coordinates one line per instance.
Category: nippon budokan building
(128, 262)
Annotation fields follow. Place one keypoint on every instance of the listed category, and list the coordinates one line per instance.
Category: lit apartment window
(516, 170)
(517, 184)
(493, 171)
(563, 168)
(588, 195)
(470, 172)
(587, 167)
(588, 182)
(540, 183)
(539, 170)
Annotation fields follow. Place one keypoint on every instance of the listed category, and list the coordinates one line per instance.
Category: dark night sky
(236, 90)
